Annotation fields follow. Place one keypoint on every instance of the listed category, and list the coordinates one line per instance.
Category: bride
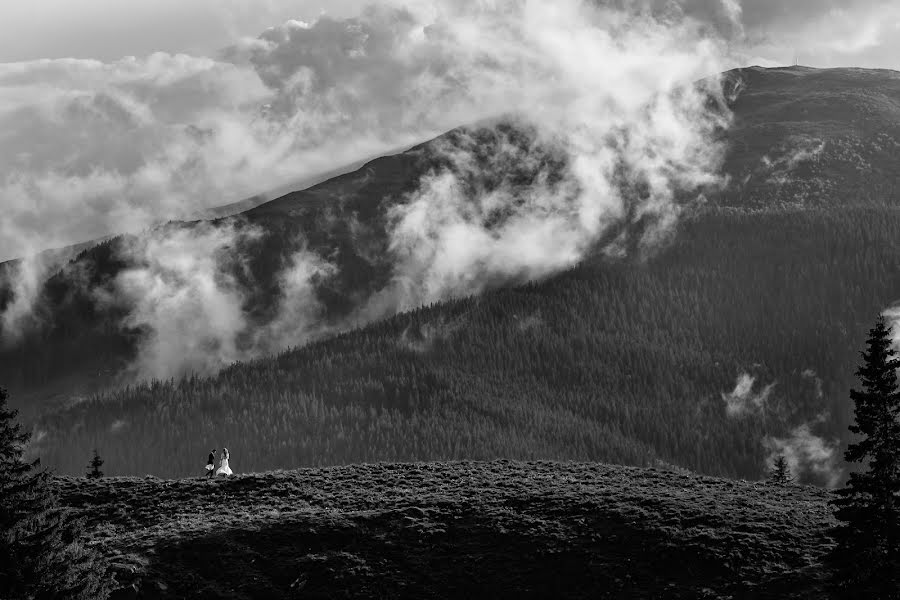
(224, 469)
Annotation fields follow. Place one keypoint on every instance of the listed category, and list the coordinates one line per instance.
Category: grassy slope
(496, 529)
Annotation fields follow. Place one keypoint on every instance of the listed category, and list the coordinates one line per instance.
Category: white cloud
(109, 146)
(110, 29)
(627, 118)
(182, 294)
(807, 454)
(298, 313)
(742, 400)
(184, 299)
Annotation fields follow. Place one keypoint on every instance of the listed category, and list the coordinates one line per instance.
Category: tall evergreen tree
(780, 473)
(94, 466)
(866, 558)
(40, 555)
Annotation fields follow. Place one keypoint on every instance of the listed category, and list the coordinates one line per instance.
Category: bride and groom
(223, 469)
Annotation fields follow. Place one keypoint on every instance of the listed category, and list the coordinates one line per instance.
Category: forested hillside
(734, 337)
(617, 361)
(343, 220)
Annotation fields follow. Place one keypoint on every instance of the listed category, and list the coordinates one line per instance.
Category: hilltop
(805, 137)
(453, 530)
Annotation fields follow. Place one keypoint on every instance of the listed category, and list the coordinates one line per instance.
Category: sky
(820, 33)
(111, 29)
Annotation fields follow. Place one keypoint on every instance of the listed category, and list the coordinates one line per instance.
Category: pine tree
(94, 466)
(780, 473)
(40, 556)
(866, 559)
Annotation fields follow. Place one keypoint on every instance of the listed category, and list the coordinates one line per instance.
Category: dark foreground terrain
(457, 530)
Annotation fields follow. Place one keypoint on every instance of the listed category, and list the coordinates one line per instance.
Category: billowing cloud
(110, 29)
(743, 400)
(102, 148)
(181, 293)
(298, 312)
(23, 281)
(183, 299)
(809, 456)
(615, 137)
(606, 93)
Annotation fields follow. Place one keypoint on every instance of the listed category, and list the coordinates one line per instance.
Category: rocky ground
(457, 530)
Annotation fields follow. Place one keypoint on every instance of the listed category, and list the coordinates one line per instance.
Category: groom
(211, 464)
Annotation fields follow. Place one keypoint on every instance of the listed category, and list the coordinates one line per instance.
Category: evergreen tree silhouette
(40, 555)
(780, 473)
(94, 466)
(866, 559)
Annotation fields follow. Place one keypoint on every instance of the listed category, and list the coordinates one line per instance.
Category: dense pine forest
(617, 361)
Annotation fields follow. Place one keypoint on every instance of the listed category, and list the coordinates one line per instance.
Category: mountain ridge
(804, 246)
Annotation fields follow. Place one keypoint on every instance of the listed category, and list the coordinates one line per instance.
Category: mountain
(735, 339)
(457, 530)
(241, 206)
(808, 138)
(343, 219)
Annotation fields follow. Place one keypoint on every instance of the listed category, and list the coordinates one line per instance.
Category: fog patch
(809, 456)
(743, 400)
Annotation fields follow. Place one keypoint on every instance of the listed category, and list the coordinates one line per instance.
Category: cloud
(21, 281)
(298, 313)
(796, 150)
(182, 297)
(809, 456)
(422, 338)
(110, 147)
(109, 29)
(823, 33)
(614, 140)
(789, 155)
(811, 375)
(742, 400)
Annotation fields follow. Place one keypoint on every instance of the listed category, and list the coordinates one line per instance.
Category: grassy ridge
(458, 530)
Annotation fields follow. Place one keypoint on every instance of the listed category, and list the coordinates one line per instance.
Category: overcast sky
(820, 32)
(111, 29)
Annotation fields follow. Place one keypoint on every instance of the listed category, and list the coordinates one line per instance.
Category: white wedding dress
(224, 469)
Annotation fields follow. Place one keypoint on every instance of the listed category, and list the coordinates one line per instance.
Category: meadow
(497, 529)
